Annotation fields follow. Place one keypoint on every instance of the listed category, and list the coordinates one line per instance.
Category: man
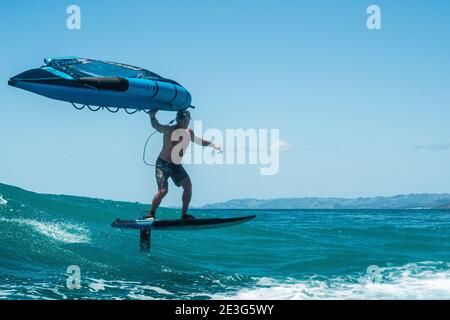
(168, 165)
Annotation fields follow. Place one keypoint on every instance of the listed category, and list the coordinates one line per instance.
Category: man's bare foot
(187, 216)
(149, 215)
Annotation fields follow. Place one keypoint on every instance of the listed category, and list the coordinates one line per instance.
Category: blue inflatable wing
(103, 84)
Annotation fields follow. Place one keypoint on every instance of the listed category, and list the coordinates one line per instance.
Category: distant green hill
(410, 201)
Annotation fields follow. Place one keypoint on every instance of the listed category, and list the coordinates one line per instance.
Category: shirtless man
(169, 165)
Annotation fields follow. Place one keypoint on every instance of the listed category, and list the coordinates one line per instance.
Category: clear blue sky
(365, 112)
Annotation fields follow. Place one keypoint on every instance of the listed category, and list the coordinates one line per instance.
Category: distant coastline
(409, 201)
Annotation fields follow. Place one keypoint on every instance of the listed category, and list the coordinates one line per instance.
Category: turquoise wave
(283, 254)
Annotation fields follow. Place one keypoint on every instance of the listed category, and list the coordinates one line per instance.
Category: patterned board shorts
(165, 170)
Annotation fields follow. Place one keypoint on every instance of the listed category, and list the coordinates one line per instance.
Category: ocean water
(283, 254)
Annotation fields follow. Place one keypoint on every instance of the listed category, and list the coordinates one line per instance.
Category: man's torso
(182, 137)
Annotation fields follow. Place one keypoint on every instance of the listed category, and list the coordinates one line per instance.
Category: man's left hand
(217, 147)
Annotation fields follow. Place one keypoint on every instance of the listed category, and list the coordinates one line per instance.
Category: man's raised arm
(155, 123)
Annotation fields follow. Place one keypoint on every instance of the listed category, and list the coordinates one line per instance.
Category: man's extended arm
(203, 142)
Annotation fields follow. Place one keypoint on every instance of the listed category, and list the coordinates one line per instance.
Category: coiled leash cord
(128, 112)
(146, 143)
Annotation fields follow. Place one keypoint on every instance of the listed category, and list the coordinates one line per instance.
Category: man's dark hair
(181, 115)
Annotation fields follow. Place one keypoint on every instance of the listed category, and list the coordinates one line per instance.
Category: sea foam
(59, 231)
(3, 201)
(426, 280)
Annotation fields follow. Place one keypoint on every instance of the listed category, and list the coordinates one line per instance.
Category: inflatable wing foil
(103, 84)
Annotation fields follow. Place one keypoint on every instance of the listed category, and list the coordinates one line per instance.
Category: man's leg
(163, 187)
(158, 198)
(187, 195)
